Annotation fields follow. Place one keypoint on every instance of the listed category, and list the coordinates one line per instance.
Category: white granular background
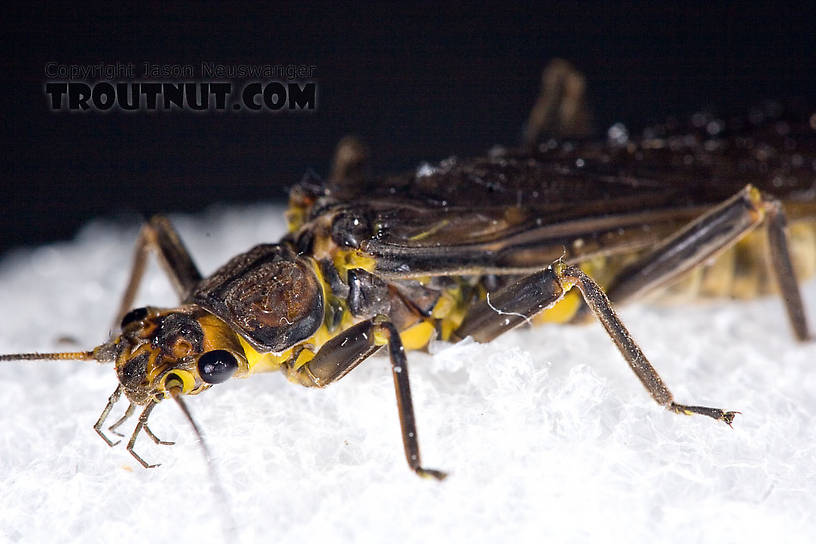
(546, 433)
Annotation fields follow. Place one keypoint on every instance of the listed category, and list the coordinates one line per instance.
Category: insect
(552, 231)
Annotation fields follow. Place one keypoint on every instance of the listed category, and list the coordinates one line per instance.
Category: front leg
(341, 354)
(159, 236)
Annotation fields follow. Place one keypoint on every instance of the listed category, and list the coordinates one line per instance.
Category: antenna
(106, 353)
(72, 355)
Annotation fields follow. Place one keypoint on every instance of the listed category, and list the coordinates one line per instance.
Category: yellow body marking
(303, 357)
(565, 308)
(562, 311)
(417, 336)
(450, 312)
(179, 377)
(380, 338)
(263, 362)
(270, 362)
(345, 260)
(433, 230)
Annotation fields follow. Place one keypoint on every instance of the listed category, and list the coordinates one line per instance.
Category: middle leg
(344, 352)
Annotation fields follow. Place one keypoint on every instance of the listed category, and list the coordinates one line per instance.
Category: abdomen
(742, 271)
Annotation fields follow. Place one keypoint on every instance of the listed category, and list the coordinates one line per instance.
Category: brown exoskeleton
(474, 248)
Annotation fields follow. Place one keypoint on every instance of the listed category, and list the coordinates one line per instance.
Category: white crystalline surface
(547, 435)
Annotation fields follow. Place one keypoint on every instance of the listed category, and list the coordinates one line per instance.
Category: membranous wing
(513, 212)
(510, 215)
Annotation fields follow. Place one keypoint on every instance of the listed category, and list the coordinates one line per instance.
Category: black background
(416, 84)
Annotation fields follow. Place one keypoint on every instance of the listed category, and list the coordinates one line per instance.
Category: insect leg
(129, 412)
(521, 300)
(782, 267)
(155, 438)
(560, 109)
(711, 233)
(159, 235)
(350, 161)
(345, 351)
(510, 306)
(139, 426)
(112, 400)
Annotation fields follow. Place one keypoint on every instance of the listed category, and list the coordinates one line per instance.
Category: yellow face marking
(179, 378)
(153, 369)
(218, 335)
(181, 348)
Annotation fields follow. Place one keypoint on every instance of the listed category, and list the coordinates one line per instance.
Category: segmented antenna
(72, 355)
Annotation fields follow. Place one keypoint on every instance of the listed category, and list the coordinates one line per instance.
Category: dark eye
(136, 314)
(217, 366)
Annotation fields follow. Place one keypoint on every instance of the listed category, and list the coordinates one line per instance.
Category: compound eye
(217, 366)
(137, 314)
